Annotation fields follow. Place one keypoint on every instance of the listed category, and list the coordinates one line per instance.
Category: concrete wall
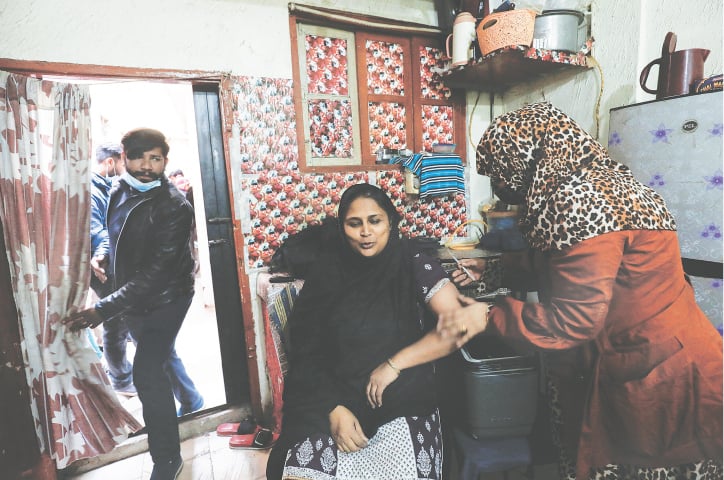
(244, 37)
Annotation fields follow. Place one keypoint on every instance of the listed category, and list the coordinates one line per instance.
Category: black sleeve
(310, 385)
(171, 243)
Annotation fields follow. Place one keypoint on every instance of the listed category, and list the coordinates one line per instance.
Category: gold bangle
(393, 367)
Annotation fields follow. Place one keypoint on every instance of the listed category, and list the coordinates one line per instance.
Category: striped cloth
(279, 306)
(440, 174)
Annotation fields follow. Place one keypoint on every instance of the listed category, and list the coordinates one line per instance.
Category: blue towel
(441, 174)
(413, 163)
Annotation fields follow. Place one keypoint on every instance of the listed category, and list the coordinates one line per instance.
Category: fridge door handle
(702, 268)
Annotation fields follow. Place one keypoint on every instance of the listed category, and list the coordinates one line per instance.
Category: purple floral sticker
(715, 181)
(711, 231)
(661, 134)
(717, 130)
(657, 180)
(614, 139)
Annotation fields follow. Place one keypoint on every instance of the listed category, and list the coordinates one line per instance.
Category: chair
(489, 455)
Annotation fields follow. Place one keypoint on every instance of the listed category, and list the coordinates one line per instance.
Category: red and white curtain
(45, 155)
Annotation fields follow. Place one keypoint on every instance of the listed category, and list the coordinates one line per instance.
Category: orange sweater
(638, 363)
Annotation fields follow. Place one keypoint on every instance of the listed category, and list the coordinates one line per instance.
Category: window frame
(369, 156)
(306, 98)
(364, 158)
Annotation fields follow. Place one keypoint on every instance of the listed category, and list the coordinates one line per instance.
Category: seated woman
(359, 398)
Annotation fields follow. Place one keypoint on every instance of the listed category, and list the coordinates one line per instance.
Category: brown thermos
(677, 70)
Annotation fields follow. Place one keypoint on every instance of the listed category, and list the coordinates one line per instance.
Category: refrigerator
(674, 145)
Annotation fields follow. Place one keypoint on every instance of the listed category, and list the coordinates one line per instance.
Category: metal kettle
(677, 70)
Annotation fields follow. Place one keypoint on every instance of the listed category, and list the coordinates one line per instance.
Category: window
(359, 90)
(329, 96)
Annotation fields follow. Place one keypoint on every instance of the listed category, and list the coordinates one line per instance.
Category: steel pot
(560, 30)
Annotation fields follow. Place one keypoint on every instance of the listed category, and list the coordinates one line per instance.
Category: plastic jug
(462, 39)
(677, 70)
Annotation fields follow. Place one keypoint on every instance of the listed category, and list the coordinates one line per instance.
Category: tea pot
(677, 70)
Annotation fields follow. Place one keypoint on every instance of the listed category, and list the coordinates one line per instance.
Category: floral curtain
(45, 150)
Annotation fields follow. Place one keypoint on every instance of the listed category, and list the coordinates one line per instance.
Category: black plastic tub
(501, 395)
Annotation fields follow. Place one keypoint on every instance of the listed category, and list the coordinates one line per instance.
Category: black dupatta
(352, 314)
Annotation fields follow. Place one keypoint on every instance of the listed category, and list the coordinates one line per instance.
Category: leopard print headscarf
(573, 189)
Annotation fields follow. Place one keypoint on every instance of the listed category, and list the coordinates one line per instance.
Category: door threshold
(189, 427)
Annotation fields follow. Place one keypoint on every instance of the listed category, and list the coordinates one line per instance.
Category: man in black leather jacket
(150, 262)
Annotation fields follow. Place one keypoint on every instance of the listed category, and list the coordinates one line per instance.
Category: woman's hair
(368, 191)
(138, 141)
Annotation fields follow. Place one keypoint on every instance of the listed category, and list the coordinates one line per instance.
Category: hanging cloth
(45, 153)
(441, 174)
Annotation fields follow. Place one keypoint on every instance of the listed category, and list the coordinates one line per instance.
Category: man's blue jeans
(158, 373)
(115, 340)
(120, 370)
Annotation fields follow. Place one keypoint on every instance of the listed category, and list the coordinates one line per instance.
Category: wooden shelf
(503, 69)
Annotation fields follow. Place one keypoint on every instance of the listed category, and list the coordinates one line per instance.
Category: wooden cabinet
(508, 67)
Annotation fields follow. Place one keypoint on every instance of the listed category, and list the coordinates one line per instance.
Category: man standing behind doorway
(149, 225)
(108, 165)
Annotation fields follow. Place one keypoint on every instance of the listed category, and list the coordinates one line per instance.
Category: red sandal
(244, 427)
(262, 439)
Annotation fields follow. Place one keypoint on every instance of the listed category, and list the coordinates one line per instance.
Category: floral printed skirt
(406, 448)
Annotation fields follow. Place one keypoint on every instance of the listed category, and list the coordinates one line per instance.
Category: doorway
(119, 106)
(220, 245)
(234, 370)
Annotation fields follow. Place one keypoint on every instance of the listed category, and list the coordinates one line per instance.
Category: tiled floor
(207, 457)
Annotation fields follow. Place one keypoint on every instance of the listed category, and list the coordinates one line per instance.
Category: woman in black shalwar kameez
(359, 399)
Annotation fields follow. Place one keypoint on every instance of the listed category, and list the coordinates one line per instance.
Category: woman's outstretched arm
(429, 348)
